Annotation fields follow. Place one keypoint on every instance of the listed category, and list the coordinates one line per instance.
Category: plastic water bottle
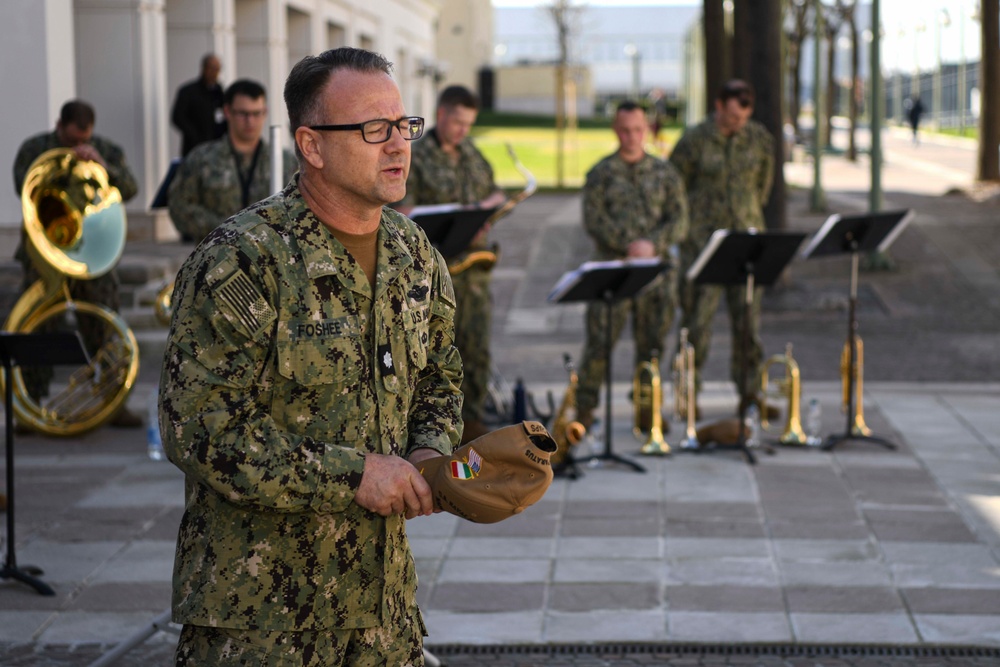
(814, 422)
(154, 445)
(596, 436)
(751, 421)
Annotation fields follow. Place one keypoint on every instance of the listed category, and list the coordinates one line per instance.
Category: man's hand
(88, 152)
(391, 485)
(496, 198)
(641, 249)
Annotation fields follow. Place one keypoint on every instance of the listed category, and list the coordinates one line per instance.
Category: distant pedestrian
(197, 111)
(915, 111)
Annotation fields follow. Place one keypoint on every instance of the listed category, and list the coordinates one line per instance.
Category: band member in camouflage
(447, 168)
(727, 163)
(223, 176)
(633, 206)
(310, 366)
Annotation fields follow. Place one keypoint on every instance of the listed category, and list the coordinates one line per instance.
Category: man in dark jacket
(197, 109)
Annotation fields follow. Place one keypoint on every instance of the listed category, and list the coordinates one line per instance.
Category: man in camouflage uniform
(310, 367)
(221, 177)
(633, 207)
(727, 164)
(75, 130)
(447, 168)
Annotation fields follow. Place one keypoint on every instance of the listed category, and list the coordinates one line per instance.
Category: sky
(903, 42)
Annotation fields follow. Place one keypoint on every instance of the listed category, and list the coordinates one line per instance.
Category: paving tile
(126, 493)
(500, 628)
(126, 597)
(886, 628)
(936, 600)
(22, 625)
(712, 511)
(477, 570)
(849, 528)
(605, 626)
(140, 561)
(959, 575)
(592, 570)
(79, 627)
(487, 597)
(728, 627)
(962, 629)
(516, 526)
(930, 553)
(760, 572)
(437, 525)
(740, 599)
(862, 573)
(680, 548)
(895, 487)
(595, 596)
(72, 562)
(842, 599)
(610, 547)
(603, 509)
(805, 493)
(501, 547)
(639, 526)
(428, 547)
(825, 550)
(930, 525)
(723, 529)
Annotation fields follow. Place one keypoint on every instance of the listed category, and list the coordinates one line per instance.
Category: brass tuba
(858, 426)
(74, 225)
(488, 258)
(684, 390)
(647, 398)
(163, 306)
(566, 429)
(790, 388)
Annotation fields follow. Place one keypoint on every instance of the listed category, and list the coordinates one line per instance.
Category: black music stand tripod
(609, 282)
(451, 227)
(33, 349)
(751, 258)
(855, 234)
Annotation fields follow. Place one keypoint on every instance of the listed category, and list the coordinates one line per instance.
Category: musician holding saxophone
(445, 167)
(75, 130)
(634, 206)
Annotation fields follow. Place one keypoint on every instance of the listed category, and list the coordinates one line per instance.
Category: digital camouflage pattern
(435, 179)
(623, 203)
(206, 189)
(728, 182)
(283, 368)
(102, 290)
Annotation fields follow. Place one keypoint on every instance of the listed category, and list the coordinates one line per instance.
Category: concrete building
(128, 57)
(464, 43)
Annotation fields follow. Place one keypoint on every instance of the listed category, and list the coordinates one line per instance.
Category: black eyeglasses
(379, 130)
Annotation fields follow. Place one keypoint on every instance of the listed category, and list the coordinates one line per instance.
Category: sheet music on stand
(451, 227)
(567, 288)
(865, 232)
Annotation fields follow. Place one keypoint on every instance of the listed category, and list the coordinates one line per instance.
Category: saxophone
(566, 430)
(488, 258)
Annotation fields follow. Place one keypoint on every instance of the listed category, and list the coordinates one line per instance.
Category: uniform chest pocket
(321, 361)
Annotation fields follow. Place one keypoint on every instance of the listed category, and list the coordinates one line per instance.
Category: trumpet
(858, 426)
(647, 397)
(566, 430)
(684, 390)
(488, 258)
(789, 388)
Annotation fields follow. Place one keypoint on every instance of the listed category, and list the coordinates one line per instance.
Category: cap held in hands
(495, 476)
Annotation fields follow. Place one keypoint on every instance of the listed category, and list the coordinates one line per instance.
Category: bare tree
(796, 31)
(832, 22)
(989, 114)
(846, 9)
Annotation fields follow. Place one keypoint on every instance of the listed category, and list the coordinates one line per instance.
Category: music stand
(754, 258)
(855, 234)
(607, 281)
(33, 349)
(451, 227)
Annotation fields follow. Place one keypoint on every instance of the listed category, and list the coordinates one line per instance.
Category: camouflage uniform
(623, 203)
(282, 370)
(435, 179)
(728, 183)
(102, 290)
(207, 188)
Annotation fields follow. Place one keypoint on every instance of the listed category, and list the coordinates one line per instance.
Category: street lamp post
(915, 87)
(961, 71)
(944, 20)
(632, 51)
(897, 83)
(878, 109)
(817, 200)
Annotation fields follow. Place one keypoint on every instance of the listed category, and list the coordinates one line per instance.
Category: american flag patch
(475, 461)
(245, 303)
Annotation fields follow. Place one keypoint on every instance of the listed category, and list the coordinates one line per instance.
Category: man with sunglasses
(727, 165)
(309, 370)
(220, 177)
(447, 168)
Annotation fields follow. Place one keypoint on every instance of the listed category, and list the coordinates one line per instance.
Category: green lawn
(536, 148)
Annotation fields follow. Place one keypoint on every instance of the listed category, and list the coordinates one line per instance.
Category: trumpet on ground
(647, 398)
(684, 390)
(567, 430)
(789, 388)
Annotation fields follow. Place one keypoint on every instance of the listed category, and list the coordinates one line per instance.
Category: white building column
(36, 42)
(262, 49)
(121, 69)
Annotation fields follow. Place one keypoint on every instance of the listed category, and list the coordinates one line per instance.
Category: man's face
(454, 123)
(210, 71)
(354, 171)
(71, 135)
(631, 127)
(731, 115)
(246, 117)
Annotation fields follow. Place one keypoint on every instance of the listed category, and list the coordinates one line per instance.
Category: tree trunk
(764, 18)
(832, 25)
(742, 44)
(716, 50)
(852, 26)
(989, 113)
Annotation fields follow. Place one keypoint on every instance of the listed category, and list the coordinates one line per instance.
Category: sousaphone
(74, 225)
